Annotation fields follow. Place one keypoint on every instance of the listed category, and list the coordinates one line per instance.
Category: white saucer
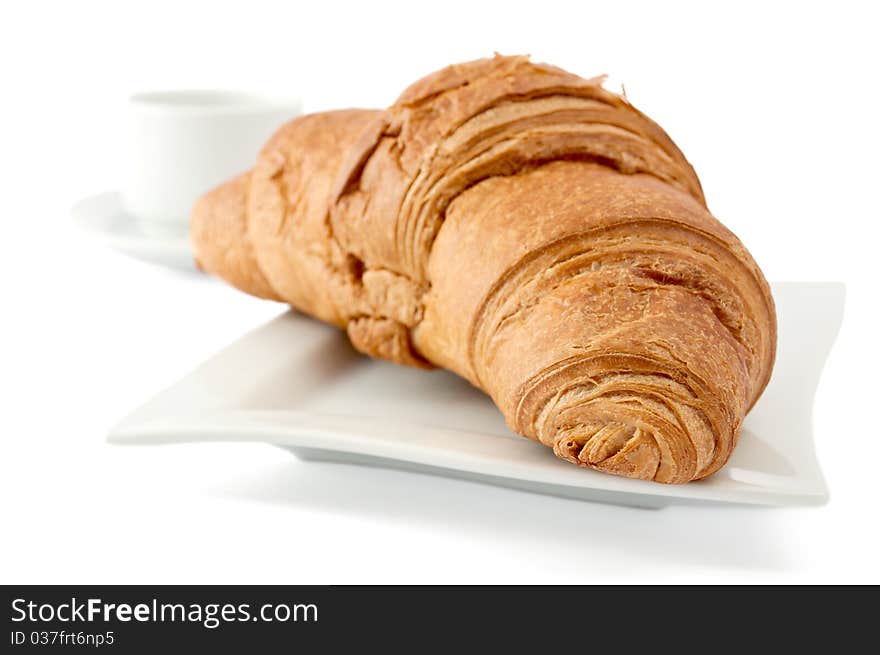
(104, 217)
(298, 384)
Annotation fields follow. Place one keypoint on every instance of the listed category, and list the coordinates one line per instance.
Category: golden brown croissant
(530, 231)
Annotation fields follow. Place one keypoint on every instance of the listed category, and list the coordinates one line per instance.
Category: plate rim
(332, 434)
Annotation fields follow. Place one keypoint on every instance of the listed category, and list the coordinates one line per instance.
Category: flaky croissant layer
(530, 231)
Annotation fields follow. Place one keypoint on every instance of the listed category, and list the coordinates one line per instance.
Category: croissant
(530, 231)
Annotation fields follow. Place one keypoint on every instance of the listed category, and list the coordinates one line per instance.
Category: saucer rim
(93, 213)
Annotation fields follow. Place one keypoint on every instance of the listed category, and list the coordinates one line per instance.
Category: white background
(774, 103)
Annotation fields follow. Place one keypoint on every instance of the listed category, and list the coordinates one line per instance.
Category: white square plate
(296, 383)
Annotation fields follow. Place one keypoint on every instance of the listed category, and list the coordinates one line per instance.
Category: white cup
(183, 143)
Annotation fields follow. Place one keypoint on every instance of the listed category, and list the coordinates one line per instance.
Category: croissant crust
(530, 231)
